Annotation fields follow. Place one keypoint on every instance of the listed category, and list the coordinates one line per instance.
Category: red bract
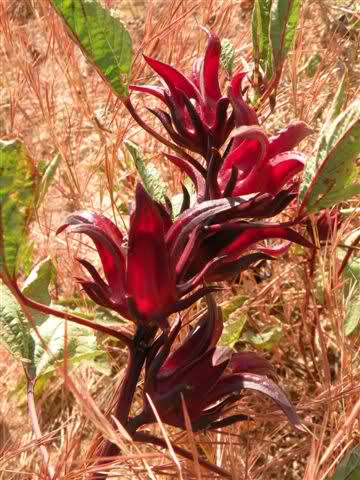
(208, 377)
(140, 282)
(325, 224)
(263, 164)
(212, 240)
(165, 260)
(198, 117)
(253, 163)
(198, 121)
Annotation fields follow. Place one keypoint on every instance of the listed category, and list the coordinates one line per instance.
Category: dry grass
(54, 101)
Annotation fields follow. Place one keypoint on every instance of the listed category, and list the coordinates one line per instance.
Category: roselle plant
(198, 120)
(155, 273)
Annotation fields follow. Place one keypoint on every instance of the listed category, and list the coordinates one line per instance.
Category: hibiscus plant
(243, 179)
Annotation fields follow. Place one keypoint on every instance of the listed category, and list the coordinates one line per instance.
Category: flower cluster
(198, 120)
(166, 264)
(209, 378)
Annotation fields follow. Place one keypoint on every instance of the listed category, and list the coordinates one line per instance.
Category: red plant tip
(324, 225)
(208, 377)
(141, 282)
(198, 119)
(265, 165)
(213, 242)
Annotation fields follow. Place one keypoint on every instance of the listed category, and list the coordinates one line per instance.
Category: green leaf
(103, 39)
(349, 467)
(18, 189)
(233, 328)
(284, 18)
(57, 340)
(266, 340)
(234, 321)
(25, 256)
(351, 288)
(330, 172)
(260, 33)
(227, 55)
(48, 177)
(149, 174)
(39, 350)
(36, 287)
(352, 312)
(233, 305)
(14, 330)
(352, 269)
(336, 105)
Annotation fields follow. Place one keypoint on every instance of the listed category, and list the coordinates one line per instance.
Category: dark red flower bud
(208, 377)
(141, 283)
(198, 117)
(324, 224)
(199, 121)
(212, 241)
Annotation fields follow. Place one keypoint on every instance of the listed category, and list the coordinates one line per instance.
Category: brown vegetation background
(56, 102)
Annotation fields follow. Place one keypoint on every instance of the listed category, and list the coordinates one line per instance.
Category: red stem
(148, 438)
(136, 358)
(22, 299)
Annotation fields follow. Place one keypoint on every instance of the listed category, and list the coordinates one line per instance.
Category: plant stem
(136, 359)
(36, 426)
(23, 300)
(148, 438)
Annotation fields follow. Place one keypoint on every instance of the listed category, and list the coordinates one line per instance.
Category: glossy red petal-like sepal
(92, 218)
(244, 114)
(182, 120)
(201, 338)
(288, 138)
(231, 182)
(181, 140)
(111, 256)
(252, 234)
(97, 294)
(200, 375)
(272, 176)
(93, 272)
(173, 78)
(248, 151)
(150, 278)
(200, 128)
(209, 76)
(212, 187)
(228, 270)
(250, 362)
(191, 171)
(157, 92)
(191, 299)
(186, 199)
(262, 384)
(220, 128)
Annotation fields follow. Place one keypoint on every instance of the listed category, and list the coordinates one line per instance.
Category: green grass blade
(284, 18)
